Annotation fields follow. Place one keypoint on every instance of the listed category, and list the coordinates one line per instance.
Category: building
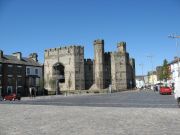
(175, 68)
(152, 77)
(18, 73)
(66, 69)
(140, 83)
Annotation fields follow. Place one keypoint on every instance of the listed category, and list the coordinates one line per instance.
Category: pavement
(124, 113)
(70, 120)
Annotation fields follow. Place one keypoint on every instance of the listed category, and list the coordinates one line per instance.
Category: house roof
(174, 61)
(9, 59)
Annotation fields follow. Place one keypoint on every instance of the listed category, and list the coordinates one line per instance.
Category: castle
(66, 69)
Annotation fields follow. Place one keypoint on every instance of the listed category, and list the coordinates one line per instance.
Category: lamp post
(174, 36)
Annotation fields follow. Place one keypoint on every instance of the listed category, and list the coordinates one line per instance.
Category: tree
(165, 72)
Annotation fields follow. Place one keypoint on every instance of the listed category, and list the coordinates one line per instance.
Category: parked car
(165, 90)
(12, 96)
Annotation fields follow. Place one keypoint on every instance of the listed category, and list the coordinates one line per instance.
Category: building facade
(175, 69)
(66, 69)
(17, 73)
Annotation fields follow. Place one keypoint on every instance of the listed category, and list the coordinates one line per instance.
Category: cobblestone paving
(71, 120)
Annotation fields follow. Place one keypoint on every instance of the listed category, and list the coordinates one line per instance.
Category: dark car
(12, 96)
(165, 90)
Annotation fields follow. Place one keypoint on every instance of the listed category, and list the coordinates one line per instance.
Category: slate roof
(9, 59)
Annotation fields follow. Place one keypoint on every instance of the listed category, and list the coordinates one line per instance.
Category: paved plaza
(28, 118)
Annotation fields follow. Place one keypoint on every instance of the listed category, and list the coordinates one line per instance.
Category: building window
(10, 81)
(19, 70)
(19, 81)
(36, 71)
(0, 69)
(0, 81)
(10, 69)
(28, 71)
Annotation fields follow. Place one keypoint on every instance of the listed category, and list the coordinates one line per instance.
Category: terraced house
(18, 73)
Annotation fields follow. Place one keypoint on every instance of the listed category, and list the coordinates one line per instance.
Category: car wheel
(13, 99)
(4, 99)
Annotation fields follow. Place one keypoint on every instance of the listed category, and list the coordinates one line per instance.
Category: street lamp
(174, 36)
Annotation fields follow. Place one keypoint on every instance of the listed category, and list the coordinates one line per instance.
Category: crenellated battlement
(64, 50)
(99, 42)
(107, 53)
(88, 61)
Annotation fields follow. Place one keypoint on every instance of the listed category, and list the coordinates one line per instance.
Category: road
(123, 113)
(145, 98)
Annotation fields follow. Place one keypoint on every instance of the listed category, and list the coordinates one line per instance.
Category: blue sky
(35, 25)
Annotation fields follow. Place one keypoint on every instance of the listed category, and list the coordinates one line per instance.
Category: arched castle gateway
(66, 68)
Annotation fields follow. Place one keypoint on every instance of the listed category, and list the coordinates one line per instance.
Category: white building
(174, 65)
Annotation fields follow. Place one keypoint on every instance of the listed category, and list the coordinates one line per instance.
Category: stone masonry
(65, 68)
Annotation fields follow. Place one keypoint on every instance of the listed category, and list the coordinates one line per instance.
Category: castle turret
(99, 63)
(121, 47)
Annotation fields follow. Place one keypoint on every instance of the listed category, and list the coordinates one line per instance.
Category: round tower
(99, 63)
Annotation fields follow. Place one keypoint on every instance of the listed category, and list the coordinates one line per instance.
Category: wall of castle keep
(72, 58)
(99, 63)
(88, 73)
(115, 68)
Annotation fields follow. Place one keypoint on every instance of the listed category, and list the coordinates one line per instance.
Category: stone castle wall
(88, 73)
(107, 68)
(72, 58)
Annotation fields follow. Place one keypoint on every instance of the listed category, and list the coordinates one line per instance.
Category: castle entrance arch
(58, 71)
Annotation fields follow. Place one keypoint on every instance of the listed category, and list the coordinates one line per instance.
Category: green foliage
(165, 72)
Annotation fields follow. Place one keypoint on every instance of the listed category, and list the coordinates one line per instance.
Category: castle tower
(121, 47)
(99, 63)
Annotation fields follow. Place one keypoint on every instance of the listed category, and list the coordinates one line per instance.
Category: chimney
(18, 55)
(1, 54)
(33, 56)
